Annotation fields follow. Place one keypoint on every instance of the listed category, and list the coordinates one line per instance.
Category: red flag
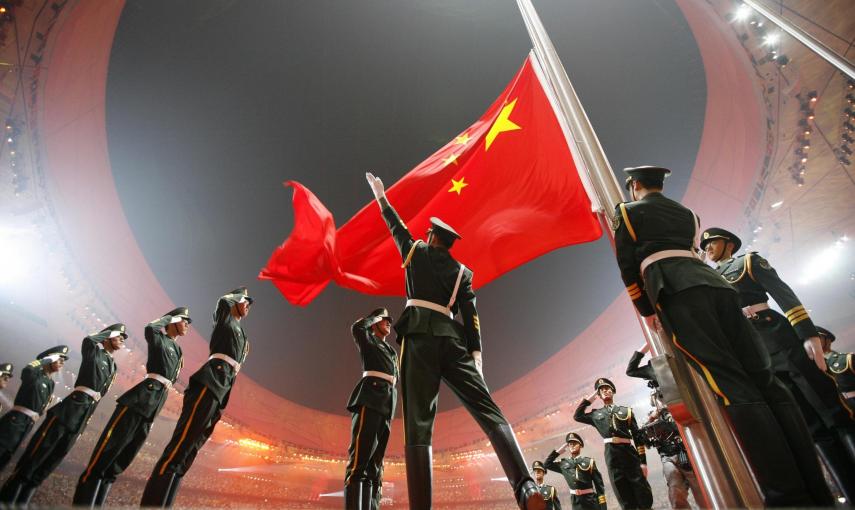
(508, 184)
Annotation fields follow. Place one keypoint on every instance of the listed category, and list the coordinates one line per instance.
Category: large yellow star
(462, 139)
(450, 159)
(502, 124)
(457, 186)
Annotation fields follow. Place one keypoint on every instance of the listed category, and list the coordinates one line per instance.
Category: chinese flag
(508, 184)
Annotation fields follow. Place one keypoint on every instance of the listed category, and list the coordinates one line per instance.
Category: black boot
(86, 492)
(367, 494)
(26, 495)
(798, 436)
(376, 489)
(156, 490)
(514, 465)
(419, 476)
(102, 493)
(10, 491)
(353, 496)
(173, 490)
(839, 467)
(847, 438)
(769, 453)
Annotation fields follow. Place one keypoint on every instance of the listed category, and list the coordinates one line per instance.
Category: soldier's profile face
(606, 392)
(383, 328)
(574, 447)
(715, 249)
(57, 365)
(4, 380)
(182, 327)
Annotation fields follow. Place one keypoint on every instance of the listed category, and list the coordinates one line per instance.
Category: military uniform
(548, 492)
(829, 418)
(701, 314)
(582, 476)
(33, 397)
(204, 400)
(619, 430)
(136, 409)
(372, 403)
(435, 347)
(65, 421)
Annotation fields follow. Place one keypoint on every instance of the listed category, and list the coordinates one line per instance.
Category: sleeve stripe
(794, 311)
(795, 321)
(627, 223)
(796, 316)
(635, 295)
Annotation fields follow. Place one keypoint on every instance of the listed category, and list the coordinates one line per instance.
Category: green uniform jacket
(580, 473)
(227, 338)
(97, 372)
(613, 421)
(841, 366)
(652, 224)
(373, 392)
(430, 275)
(550, 495)
(35, 393)
(164, 358)
(756, 280)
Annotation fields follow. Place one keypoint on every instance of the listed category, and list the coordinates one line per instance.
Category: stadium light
(825, 262)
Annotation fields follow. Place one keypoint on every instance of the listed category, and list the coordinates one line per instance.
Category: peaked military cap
(382, 313)
(443, 228)
(602, 381)
(116, 330)
(6, 369)
(537, 465)
(713, 233)
(826, 333)
(182, 312)
(241, 293)
(62, 350)
(656, 173)
(572, 436)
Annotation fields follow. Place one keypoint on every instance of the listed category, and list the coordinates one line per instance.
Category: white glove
(479, 363)
(562, 448)
(376, 186)
(813, 348)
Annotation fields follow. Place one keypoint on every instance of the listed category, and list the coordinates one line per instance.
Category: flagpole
(722, 469)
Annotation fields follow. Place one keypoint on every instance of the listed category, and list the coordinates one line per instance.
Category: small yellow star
(502, 124)
(450, 159)
(462, 139)
(457, 186)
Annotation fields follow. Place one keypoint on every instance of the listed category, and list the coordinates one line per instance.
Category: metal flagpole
(813, 44)
(721, 467)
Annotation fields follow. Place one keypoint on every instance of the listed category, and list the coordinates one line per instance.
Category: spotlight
(771, 39)
(777, 204)
(742, 12)
(812, 95)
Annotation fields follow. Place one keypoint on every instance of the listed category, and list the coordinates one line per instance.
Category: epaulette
(838, 362)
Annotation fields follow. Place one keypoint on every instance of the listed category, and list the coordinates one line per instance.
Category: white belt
(430, 306)
(89, 391)
(666, 254)
(159, 378)
(381, 375)
(228, 359)
(849, 394)
(751, 311)
(617, 440)
(29, 412)
(580, 492)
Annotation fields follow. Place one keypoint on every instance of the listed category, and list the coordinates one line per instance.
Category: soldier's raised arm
(403, 238)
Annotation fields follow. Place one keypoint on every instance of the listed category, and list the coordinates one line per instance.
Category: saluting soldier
(136, 409)
(841, 366)
(795, 347)
(33, 397)
(435, 347)
(627, 463)
(204, 400)
(550, 495)
(372, 403)
(655, 240)
(580, 473)
(66, 421)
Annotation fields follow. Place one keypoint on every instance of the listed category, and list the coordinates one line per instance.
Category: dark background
(212, 104)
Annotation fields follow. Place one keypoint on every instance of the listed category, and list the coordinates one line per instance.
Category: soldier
(654, 240)
(550, 495)
(435, 347)
(580, 473)
(136, 409)
(33, 397)
(67, 420)
(627, 464)
(373, 405)
(661, 432)
(6, 372)
(204, 400)
(841, 366)
(795, 348)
